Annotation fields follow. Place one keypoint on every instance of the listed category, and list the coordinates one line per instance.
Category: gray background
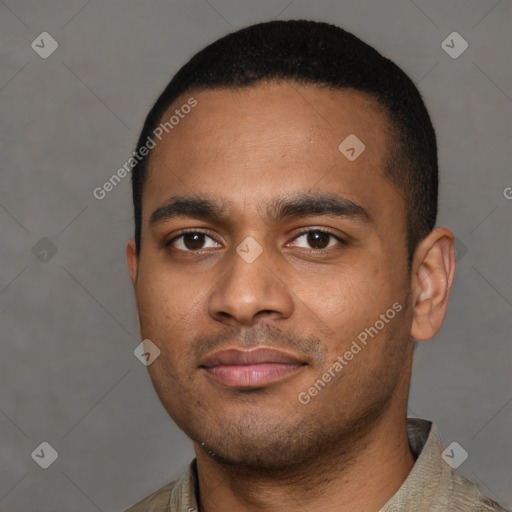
(68, 375)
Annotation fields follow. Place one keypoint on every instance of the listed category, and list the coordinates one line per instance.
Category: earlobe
(132, 260)
(432, 280)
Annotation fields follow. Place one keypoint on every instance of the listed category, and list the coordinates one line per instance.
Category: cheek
(165, 308)
(165, 289)
(346, 301)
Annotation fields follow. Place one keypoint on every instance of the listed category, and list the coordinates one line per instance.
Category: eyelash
(302, 233)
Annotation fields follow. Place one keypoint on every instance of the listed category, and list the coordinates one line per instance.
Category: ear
(132, 260)
(432, 279)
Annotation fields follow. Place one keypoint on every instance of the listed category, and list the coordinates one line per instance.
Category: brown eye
(192, 241)
(317, 239)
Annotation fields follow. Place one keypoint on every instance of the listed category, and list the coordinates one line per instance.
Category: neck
(362, 474)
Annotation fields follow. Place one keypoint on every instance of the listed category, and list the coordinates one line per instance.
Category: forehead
(274, 113)
(246, 144)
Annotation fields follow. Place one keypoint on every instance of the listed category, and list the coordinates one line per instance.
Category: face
(273, 272)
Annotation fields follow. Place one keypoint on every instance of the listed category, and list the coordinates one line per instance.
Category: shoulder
(433, 484)
(158, 501)
(468, 498)
(177, 495)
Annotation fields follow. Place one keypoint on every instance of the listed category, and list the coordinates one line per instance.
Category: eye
(191, 241)
(318, 239)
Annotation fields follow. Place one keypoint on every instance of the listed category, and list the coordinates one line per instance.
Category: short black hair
(325, 55)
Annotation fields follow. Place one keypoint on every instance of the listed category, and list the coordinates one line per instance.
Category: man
(284, 260)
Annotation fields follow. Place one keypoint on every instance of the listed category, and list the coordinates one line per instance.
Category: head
(302, 166)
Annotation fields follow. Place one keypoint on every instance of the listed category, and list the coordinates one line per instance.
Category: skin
(260, 448)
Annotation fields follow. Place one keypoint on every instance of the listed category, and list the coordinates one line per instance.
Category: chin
(258, 443)
(255, 457)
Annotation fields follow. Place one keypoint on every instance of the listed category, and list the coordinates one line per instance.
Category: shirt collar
(422, 485)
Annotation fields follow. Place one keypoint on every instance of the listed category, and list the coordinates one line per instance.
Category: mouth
(250, 368)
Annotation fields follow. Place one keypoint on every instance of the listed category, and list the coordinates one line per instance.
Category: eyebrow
(304, 205)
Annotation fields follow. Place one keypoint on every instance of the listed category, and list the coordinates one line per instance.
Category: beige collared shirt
(432, 485)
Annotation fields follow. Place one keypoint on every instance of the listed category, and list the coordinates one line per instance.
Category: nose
(250, 289)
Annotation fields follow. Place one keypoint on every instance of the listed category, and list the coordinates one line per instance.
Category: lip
(250, 368)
